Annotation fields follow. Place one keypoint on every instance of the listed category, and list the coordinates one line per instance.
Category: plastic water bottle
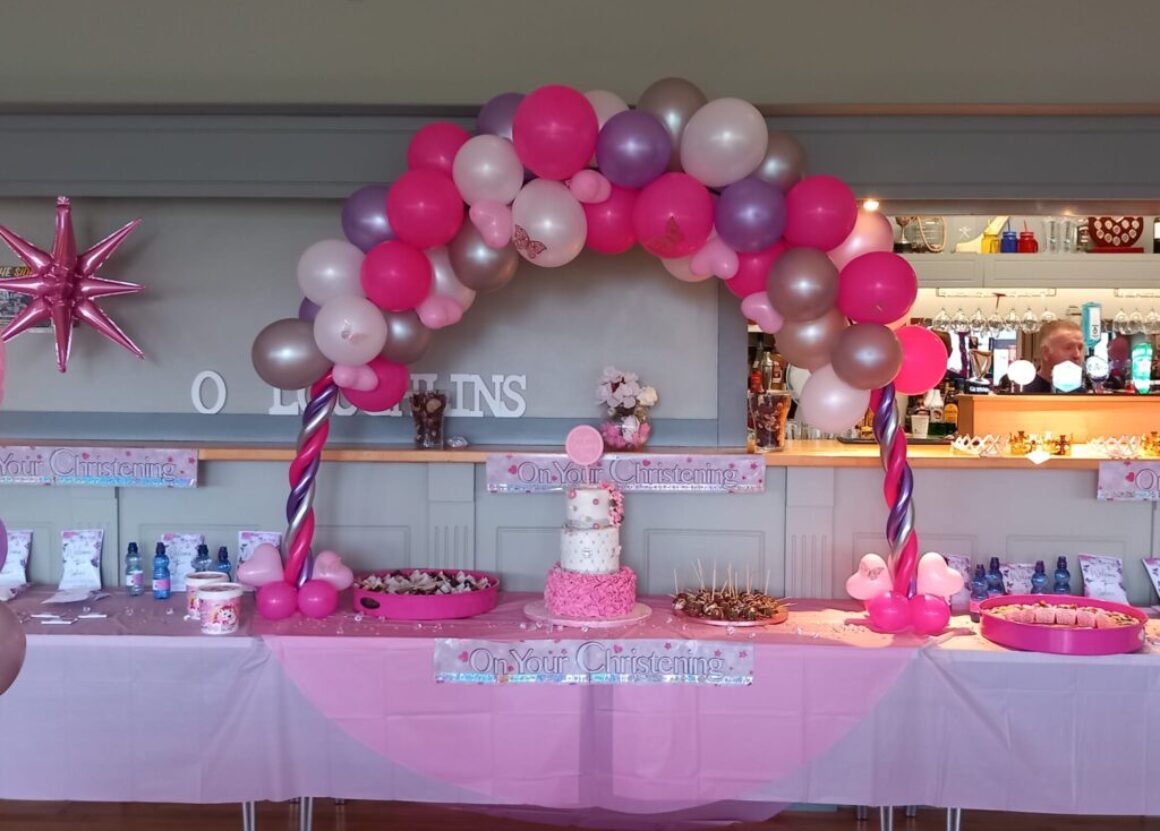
(202, 562)
(223, 562)
(134, 571)
(978, 591)
(160, 573)
(1039, 578)
(994, 578)
(1062, 577)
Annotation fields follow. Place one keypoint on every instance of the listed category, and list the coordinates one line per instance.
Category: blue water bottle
(134, 571)
(994, 578)
(978, 591)
(1039, 578)
(223, 562)
(202, 562)
(1062, 577)
(160, 573)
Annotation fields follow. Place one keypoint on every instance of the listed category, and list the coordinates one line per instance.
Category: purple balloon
(633, 148)
(308, 309)
(750, 215)
(3, 543)
(364, 217)
(497, 115)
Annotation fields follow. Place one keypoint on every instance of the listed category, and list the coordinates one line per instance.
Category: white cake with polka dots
(590, 538)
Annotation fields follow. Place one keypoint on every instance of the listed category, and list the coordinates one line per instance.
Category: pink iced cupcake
(1065, 616)
(1045, 615)
(1085, 619)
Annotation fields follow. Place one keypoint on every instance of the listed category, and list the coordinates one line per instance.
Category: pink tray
(1061, 640)
(428, 607)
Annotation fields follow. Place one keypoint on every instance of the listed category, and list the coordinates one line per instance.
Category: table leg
(954, 819)
(861, 813)
(306, 814)
(886, 818)
(249, 820)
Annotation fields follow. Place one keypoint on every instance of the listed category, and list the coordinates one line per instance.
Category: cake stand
(537, 610)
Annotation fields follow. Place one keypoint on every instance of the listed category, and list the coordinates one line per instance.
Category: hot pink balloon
(554, 132)
(277, 600)
(822, 212)
(493, 221)
(756, 307)
(878, 287)
(924, 360)
(424, 208)
(682, 269)
(3, 365)
(435, 145)
(872, 232)
(889, 612)
(438, 312)
(317, 599)
(393, 382)
(753, 270)
(396, 276)
(610, 229)
(590, 186)
(715, 259)
(352, 377)
(673, 216)
(830, 404)
(929, 615)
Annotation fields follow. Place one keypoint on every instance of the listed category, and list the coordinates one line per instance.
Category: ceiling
(374, 52)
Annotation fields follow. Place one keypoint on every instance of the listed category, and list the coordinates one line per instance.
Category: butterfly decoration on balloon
(703, 185)
(63, 285)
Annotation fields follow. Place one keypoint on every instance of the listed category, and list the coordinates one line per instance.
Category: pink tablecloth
(348, 708)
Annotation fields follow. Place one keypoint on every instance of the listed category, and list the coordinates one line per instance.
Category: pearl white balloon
(486, 168)
(607, 104)
(550, 225)
(724, 142)
(445, 282)
(1021, 372)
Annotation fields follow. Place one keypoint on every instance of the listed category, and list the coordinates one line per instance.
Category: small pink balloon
(590, 187)
(277, 600)
(889, 612)
(924, 360)
(929, 615)
(439, 312)
(753, 270)
(584, 445)
(756, 307)
(872, 232)
(682, 269)
(360, 377)
(328, 566)
(263, 566)
(317, 599)
(493, 221)
(870, 580)
(936, 578)
(715, 259)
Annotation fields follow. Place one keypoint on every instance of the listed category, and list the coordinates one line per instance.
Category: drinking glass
(1051, 235)
(1120, 323)
(770, 411)
(1152, 323)
(1029, 323)
(941, 322)
(978, 323)
(960, 324)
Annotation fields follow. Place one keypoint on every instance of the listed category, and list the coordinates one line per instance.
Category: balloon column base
(893, 614)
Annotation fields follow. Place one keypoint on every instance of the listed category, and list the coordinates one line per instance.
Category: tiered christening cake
(589, 582)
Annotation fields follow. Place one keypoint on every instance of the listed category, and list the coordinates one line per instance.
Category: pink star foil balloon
(64, 286)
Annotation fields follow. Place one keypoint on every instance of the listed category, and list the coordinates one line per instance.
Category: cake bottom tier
(573, 594)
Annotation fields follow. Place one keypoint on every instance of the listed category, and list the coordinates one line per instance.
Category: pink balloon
(878, 287)
(493, 221)
(488, 169)
(437, 312)
(424, 208)
(753, 270)
(393, 382)
(396, 276)
(353, 377)
(673, 216)
(715, 259)
(929, 615)
(830, 404)
(872, 232)
(3, 364)
(756, 307)
(924, 360)
(937, 578)
(277, 601)
(554, 132)
(317, 599)
(889, 612)
(871, 580)
(590, 186)
(682, 269)
(821, 213)
(435, 145)
(264, 565)
(610, 229)
(328, 566)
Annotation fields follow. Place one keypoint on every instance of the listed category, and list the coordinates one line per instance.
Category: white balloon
(682, 269)
(830, 404)
(607, 104)
(549, 225)
(330, 268)
(350, 330)
(1021, 372)
(486, 168)
(724, 142)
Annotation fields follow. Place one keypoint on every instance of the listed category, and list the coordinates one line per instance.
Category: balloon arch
(703, 185)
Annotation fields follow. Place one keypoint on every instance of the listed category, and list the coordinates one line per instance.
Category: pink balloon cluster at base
(277, 599)
(926, 612)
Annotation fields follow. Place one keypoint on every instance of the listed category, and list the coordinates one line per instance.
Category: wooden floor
(393, 816)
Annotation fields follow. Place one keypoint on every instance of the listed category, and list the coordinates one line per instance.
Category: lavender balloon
(633, 148)
(750, 215)
(364, 217)
(308, 310)
(497, 115)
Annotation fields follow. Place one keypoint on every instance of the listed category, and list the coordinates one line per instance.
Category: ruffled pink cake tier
(574, 594)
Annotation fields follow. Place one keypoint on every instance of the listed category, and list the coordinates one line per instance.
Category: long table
(138, 706)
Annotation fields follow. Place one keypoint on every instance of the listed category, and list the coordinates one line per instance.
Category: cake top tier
(594, 506)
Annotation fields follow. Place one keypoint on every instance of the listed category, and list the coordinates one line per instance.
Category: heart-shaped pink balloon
(590, 187)
(937, 578)
(889, 612)
(756, 307)
(715, 258)
(263, 566)
(680, 267)
(437, 312)
(493, 221)
(870, 580)
(329, 566)
(361, 378)
(929, 615)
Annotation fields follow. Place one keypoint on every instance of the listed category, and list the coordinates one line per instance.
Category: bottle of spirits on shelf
(202, 562)
(134, 571)
(994, 578)
(1039, 578)
(223, 562)
(1062, 577)
(160, 573)
(978, 591)
(755, 371)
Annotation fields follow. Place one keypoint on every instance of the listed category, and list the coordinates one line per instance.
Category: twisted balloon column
(898, 488)
(303, 471)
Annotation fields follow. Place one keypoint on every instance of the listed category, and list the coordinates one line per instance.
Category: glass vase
(626, 431)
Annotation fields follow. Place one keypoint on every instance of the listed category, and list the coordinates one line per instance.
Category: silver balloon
(479, 266)
(673, 101)
(407, 337)
(784, 164)
(285, 354)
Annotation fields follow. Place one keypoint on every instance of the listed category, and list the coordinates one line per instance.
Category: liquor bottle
(223, 562)
(134, 571)
(202, 562)
(160, 573)
(755, 371)
(777, 376)
(1062, 577)
(1039, 578)
(994, 578)
(978, 591)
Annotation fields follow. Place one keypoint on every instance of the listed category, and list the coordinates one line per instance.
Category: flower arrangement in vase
(627, 401)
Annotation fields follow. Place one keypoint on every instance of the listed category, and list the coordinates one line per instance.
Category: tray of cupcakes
(1062, 624)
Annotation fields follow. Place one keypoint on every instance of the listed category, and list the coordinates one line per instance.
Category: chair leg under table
(886, 818)
(954, 819)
